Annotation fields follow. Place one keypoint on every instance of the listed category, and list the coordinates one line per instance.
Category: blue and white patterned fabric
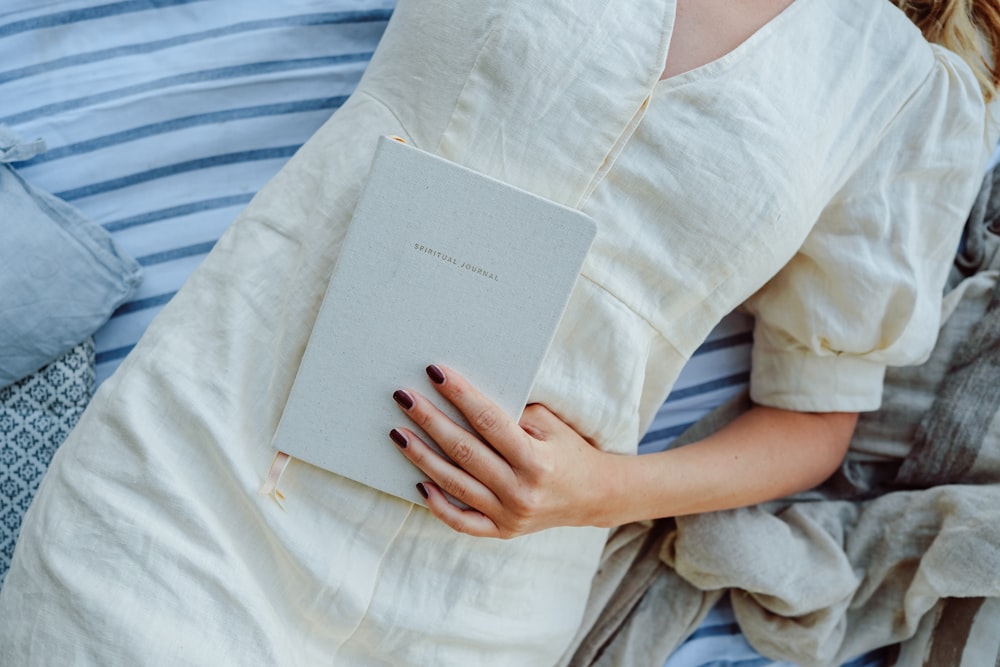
(36, 414)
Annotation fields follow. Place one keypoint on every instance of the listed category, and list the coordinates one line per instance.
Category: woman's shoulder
(883, 77)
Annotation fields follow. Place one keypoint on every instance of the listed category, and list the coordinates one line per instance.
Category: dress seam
(375, 579)
(380, 102)
(465, 81)
(599, 285)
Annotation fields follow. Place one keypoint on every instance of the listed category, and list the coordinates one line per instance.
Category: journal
(440, 265)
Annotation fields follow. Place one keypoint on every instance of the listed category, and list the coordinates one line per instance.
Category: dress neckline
(724, 61)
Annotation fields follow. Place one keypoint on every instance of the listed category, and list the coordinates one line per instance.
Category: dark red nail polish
(398, 438)
(403, 399)
(435, 374)
(423, 491)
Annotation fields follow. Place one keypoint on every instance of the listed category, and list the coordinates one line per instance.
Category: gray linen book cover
(441, 265)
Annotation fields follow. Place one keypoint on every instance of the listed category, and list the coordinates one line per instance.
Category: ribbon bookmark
(270, 485)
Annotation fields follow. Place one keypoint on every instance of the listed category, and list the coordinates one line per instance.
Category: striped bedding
(718, 643)
(164, 117)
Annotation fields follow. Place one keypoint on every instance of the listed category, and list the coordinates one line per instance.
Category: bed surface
(163, 118)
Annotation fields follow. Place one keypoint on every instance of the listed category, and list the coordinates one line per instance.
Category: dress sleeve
(864, 290)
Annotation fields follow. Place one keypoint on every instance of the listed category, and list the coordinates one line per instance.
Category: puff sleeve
(864, 290)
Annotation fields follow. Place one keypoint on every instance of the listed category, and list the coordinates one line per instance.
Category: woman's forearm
(764, 454)
(518, 477)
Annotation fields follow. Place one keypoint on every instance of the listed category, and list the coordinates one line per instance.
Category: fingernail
(435, 374)
(403, 399)
(423, 491)
(398, 438)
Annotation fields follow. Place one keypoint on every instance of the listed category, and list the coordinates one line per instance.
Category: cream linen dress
(834, 143)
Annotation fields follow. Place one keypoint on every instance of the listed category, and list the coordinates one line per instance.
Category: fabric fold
(901, 546)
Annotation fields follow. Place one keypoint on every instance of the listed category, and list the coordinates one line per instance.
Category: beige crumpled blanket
(901, 546)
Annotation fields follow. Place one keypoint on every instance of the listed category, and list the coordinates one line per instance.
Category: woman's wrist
(623, 489)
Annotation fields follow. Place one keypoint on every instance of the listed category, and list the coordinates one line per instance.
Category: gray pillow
(62, 276)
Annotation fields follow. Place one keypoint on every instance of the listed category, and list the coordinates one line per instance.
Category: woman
(813, 161)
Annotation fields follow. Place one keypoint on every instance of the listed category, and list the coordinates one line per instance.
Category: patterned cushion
(36, 415)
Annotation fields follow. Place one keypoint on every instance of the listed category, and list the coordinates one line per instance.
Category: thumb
(539, 422)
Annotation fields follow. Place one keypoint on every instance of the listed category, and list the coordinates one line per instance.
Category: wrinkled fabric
(61, 275)
(894, 548)
(149, 517)
(949, 440)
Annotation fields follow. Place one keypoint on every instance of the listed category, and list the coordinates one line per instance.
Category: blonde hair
(970, 28)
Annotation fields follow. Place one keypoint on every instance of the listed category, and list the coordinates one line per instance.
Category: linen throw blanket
(901, 546)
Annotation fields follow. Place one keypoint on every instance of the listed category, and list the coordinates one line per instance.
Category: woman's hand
(515, 478)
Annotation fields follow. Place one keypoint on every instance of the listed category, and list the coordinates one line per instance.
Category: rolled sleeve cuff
(806, 382)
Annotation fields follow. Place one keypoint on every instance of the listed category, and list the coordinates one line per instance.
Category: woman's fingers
(449, 478)
(470, 521)
(471, 460)
(489, 421)
(457, 443)
(514, 478)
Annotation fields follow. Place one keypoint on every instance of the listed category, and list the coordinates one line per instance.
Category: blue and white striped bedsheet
(718, 643)
(164, 117)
